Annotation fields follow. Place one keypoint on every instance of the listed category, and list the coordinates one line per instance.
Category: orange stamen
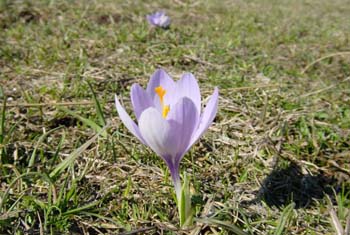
(160, 91)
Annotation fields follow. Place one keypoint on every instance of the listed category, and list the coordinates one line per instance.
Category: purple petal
(128, 122)
(185, 114)
(207, 116)
(150, 19)
(159, 19)
(187, 86)
(169, 138)
(161, 78)
(140, 100)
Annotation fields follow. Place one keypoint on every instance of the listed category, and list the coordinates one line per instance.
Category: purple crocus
(159, 19)
(169, 116)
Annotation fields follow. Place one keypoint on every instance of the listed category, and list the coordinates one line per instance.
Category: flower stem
(183, 196)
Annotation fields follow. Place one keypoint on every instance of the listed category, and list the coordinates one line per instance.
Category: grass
(275, 161)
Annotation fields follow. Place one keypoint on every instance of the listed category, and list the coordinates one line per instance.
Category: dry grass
(275, 161)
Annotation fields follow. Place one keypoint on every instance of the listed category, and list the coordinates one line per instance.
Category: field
(276, 159)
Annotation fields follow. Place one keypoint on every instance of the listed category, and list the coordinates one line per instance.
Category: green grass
(275, 159)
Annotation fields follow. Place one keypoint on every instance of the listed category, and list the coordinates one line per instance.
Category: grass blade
(286, 215)
(97, 106)
(80, 209)
(70, 159)
(86, 121)
(2, 122)
(41, 139)
(55, 156)
(13, 182)
(2, 135)
(224, 224)
(335, 222)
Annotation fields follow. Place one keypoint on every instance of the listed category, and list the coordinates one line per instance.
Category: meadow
(276, 159)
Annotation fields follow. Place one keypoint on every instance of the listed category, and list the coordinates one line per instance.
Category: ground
(275, 161)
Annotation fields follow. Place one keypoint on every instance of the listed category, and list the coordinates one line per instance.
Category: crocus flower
(170, 118)
(159, 19)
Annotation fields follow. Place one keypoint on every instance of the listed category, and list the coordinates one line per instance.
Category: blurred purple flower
(169, 117)
(159, 19)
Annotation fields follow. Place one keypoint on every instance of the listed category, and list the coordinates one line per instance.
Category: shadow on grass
(287, 185)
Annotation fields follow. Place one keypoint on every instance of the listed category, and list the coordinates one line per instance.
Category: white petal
(157, 133)
(186, 116)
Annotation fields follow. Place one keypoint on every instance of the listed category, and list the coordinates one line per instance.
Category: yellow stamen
(160, 91)
(166, 109)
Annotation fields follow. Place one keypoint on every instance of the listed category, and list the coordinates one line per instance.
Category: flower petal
(128, 122)
(169, 138)
(140, 100)
(187, 86)
(150, 19)
(161, 78)
(159, 18)
(207, 116)
(186, 115)
(158, 133)
(166, 22)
